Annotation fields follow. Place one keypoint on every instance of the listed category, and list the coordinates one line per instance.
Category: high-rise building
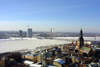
(81, 39)
(29, 32)
(20, 33)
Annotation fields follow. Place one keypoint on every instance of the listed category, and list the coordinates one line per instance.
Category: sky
(41, 15)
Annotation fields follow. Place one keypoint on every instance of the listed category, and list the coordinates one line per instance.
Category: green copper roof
(78, 52)
(85, 49)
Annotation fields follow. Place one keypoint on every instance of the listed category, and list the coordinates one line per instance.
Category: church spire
(81, 33)
(81, 39)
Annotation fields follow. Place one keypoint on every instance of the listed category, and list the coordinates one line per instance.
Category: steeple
(81, 39)
(81, 32)
(81, 35)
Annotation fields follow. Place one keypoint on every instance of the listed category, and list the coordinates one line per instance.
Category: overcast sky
(41, 15)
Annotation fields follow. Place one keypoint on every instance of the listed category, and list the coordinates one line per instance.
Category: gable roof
(85, 49)
(31, 55)
(78, 52)
(61, 61)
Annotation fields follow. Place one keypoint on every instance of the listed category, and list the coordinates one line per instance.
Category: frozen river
(13, 44)
(27, 43)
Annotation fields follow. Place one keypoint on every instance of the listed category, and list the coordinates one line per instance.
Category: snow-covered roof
(28, 62)
(31, 64)
(61, 61)
(51, 66)
(97, 49)
(34, 65)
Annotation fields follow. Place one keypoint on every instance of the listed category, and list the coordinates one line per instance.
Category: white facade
(29, 32)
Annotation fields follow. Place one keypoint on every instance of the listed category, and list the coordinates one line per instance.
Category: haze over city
(41, 15)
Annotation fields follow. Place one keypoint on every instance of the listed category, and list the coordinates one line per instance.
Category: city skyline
(41, 15)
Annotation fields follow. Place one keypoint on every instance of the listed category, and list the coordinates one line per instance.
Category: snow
(28, 62)
(60, 61)
(34, 65)
(76, 38)
(13, 44)
(31, 64)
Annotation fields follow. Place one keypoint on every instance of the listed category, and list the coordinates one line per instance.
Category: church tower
(80, 40)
